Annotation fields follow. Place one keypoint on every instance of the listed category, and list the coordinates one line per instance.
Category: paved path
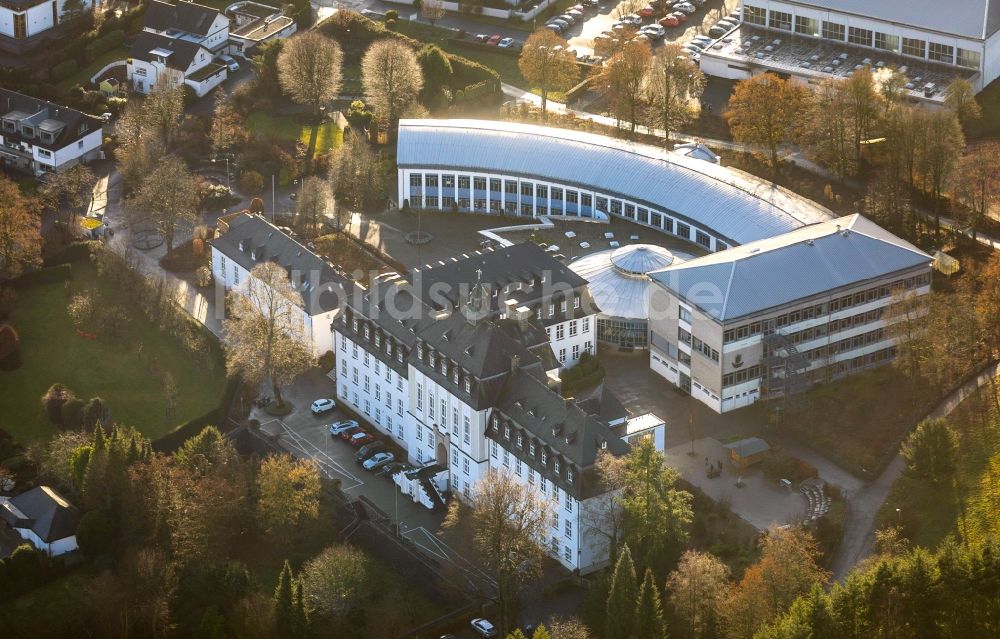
(859, 526)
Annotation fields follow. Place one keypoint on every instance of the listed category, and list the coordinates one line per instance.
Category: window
(431, 181)
(968, 59)
(807, 26)
(833, 31)
(479, 183)
(585, 199)
(887, 42)
(562, 306)
(468, 385)
(494, 185)
(560, 332)
(754, 15)
(916, 48)
(781, 20)
(21, 26)
(416, 180)
(857, 35)
(586, 325)
(510, 187)
(541, 191)
(683, 230)
(463, 181)
(465, 465)
(576, 301)
(420, 397)
(467, 437)
(557, 194)
(576, 351)
(569, 527)
(447, 181)
(526, 188)
(571, 197)
(572, 328)
(702, 238)
(567, 553)
(941, 53)
(684, 314)
(602, 204)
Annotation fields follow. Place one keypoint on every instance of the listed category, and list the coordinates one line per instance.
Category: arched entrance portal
(442, 455)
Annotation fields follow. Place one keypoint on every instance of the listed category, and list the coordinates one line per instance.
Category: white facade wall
(520, 204)
(572, 338)
(38, 19)
(372, 389)
(83, 150)
(54, 549)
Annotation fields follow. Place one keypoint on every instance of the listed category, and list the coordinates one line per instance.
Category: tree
(762, 113)
(887, 202)
(606, 516)
(265, 64)
(570, 628)
(432, 10)
(697, 588)
(547, 64)
(622, 596)
(656, 512)
(315, 201)
(283, 599)
(139, 146)
(20, 231)
(300, 616)
(391, 77)
(673, 87)
(251, 182)
(931, 450)
(648, 610)
(987, 300)
(437, 72)
(864, 106)
(940, 142)
(205, 452)
(356, 173)
(288, 492)
(309, 69)
(508, 519)
(163, 109)
(977, 184)
(227, 125)
(263, 337)
(335, 580)
(960, 98)
(168, 197)
(621, 80)
(70, 190)
(904, 323)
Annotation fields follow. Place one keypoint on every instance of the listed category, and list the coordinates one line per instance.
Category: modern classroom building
(929, 42)
(771, 317)
(486, 166)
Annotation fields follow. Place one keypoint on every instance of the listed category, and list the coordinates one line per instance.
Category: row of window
(782, 20)
(697, 345)
(536, 450)
(740, 376)
(364, 327)
(818, 310)
(844, 345)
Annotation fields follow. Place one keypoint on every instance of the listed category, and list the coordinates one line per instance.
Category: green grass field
(82, 76)
(292, 128)
(130, 383)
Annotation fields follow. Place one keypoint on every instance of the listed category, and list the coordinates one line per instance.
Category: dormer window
(562, 306)
(378, 340)
(399, 355)
(531, 447)
(552, 310)
(538, 313)
(520, 440)
(569, 475)
(555, 466)
(468, 385)
(545, 457)
(354, 324)
(506, 432)
(420, 352)
(367, 332)
(454, 376)
(576, 301)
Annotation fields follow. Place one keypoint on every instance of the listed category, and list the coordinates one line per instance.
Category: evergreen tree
(621, 598)
(300, 618)
(648, 611)
(283, 604)
(541, 633)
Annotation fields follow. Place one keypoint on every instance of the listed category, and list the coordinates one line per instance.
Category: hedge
(72, 253)
(59, 273)
(63, 70)
(215, 417)
(105, 43)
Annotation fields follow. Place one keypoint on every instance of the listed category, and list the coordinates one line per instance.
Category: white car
(506, 43)
(685, 7)
(230, 62)
(654, 31)
(484, 628)
(321, 406)
(337, 428)
(378, 460)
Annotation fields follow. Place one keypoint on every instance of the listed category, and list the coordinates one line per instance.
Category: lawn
(129, 377)
(82, 76)
(53, 610)
(293, 128)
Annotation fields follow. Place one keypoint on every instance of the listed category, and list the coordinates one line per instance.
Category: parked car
(494, 39)
(558, 22)
(483, 628)
(229, 61)
(506, 43)
(717, 31)
(368, 450)
(482, 37)
(378, 460)
(669, 21)
(685, 7)
(633, 18)
(360, 438)
(681, 16)
(647, 12)
(339, 428)
(576, 13)
(321, 406)
(555, 28)
(654, 31)
(703, 40)
(568, 19)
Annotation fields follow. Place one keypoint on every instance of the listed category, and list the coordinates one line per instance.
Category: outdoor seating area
(818, 502)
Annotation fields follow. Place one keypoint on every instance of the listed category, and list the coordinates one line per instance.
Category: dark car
(359, 438)
(368, 450)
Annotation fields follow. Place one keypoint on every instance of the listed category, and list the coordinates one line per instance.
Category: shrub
(94, 412)
(780, 464)
(95, 531)
(10, 348)
(251, 182)
(70, 413)
(327, 361)
(45, 275)
(63, 70)
(53, 400)
(203, 277)
(391, 14)
(105, 43)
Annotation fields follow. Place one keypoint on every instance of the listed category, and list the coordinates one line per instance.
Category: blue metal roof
(761, 275)
(735, 205)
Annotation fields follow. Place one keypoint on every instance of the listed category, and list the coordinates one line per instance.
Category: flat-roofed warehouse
(930, 42)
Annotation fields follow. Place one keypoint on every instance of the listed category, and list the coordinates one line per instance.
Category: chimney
(515, 360)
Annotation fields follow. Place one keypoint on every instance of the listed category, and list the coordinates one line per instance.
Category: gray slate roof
(321, 285)
(761, 275)
(184, 52)
(969, 18)
(78, 124)
(186, 16)
(43, 511)
(736, 205)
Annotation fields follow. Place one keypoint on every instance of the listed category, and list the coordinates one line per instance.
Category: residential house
(38, 136)
(25, 24)
(253, 23)
(44, 518)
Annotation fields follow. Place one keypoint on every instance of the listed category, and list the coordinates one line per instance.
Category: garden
(112, 351)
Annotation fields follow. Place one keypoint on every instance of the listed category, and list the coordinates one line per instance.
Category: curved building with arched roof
(521, 169)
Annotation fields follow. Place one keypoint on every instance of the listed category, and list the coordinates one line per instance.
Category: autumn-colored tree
(960, 98)
(69, 191)
(621, 81)
(987, 300)
(264, 335)
(336, 580)
(227, 125)
(547, 63)
(432, 10)
(697, 589)
(392, 78)
(288, 492)
(931, 450)
(309, 69)
(20, 225)
(168, 197)
(762, 113)
(977, 184)
(314, 202)
(673, 87)
(940, 141)
(356, 173)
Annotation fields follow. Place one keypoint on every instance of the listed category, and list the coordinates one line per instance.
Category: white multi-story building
(38, 136)
(178, 44)
(769, 318)
(247, 240)
(813, 39)
(25, 24)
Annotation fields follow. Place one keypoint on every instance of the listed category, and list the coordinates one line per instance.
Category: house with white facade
(449, 359)
(248, 240)
(178, 44)
(44, 518)
(26, 24)
(38, 136)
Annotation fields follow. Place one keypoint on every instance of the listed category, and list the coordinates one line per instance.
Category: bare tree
(70, 190)
(977, 184)
(227, 125)
(391, 76)
(168, 197)
(621, 81)
(264, 336)
(672, 88)
(508, 520)
(356, 173)
(313, 204)
(606, 516)
(20, 224)
(432, 10)
(547, 64)
(940, 141)
(309, 69)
